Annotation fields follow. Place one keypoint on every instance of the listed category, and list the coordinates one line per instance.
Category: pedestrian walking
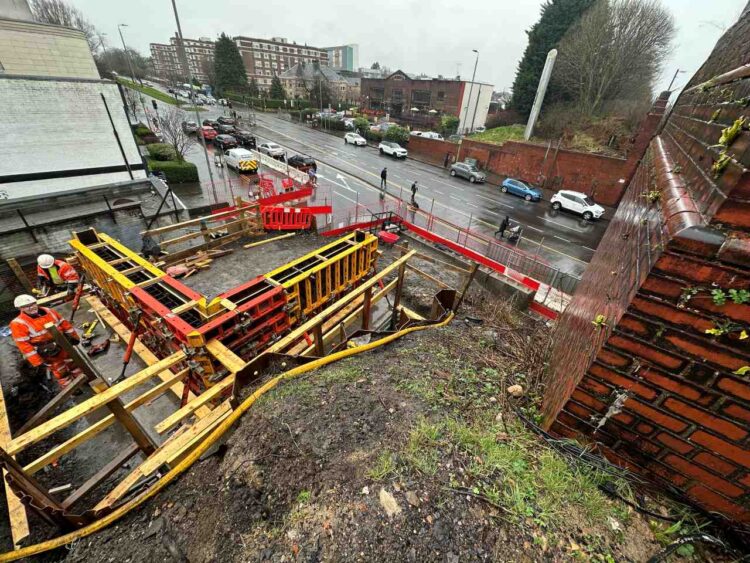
(503, 227)
(414, 194)
(447, 160)
(384, 179)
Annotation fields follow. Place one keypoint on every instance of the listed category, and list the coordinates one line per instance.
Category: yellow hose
(215, 434)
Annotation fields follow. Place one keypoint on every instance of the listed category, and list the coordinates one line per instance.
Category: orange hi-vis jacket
(65, 273)
(29, 332)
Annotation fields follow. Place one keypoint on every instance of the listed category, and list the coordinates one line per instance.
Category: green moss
(500, 135)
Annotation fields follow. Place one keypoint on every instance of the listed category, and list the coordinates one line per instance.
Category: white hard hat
(45, 261)
(24, 301)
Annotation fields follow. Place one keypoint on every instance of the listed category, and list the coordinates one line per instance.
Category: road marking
(534, 229)
(454, 197)
(346, 198)
(587, 248)
(487, 198)
(563, 239)
(560, 224)
(492, 212)
(472, 205)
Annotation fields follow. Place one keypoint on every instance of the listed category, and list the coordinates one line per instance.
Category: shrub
(361, 124)
(161, 151)
(140, 130)
(448, 125)
(376, 136)
(398, 134)
(333, 124)
(176, 172)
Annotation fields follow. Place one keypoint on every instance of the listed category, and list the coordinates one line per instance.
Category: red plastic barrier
(285, 196)
(291, 218)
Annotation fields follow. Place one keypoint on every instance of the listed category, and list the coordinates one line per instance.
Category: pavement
(349, 175)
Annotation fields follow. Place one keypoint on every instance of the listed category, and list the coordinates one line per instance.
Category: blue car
(517, 187)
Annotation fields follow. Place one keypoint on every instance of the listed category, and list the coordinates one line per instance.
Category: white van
(432, 135)
(241, 160)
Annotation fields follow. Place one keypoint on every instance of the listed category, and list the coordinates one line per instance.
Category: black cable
(675, 545)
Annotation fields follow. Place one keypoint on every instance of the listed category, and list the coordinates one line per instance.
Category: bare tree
(170, 123)
(614, 52)
(59, 12)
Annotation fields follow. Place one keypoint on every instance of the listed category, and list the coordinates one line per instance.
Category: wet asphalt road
(349, 174)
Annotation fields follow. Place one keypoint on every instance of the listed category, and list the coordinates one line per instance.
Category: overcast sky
(433, 37)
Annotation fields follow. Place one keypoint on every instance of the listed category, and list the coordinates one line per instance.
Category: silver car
(471, 173)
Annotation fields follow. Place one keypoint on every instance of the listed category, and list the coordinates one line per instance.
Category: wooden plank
(428, 276)
(184, 307)
(44, 413)
(100, 476)
(139, 348)
(196, 221)
(262, 242)
(184, 412)
(411, 313)
(168, 451)
(19, 523)
(20, 275)
(91, 404)
(226, 357)
(99, 426)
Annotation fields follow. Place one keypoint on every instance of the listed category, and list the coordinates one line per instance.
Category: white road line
(454, 197)
(534, 229)
(472, 205)
(562, 239)
(487, 198)
(587, 248)
(560, 224)
(504, 204)
(346, 198)
(492, 212)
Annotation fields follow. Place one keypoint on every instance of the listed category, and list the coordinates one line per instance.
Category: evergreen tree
(277, 90)
(556, 18)
(228, 65)
(252, 90)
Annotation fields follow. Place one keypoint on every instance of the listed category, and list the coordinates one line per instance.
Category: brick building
(168, 64)
(265, 58)
(635, 368)
(298, 80)
(400, 93)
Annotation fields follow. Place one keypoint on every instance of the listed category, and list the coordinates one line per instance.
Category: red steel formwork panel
(285, 196)
(260, 315)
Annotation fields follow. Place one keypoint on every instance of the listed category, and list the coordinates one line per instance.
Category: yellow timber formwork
(312, 280)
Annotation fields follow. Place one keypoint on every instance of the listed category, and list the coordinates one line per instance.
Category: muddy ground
(411, 452)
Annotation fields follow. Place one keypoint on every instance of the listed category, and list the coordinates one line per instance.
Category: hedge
(176, 172)
(161, 151)
(266, 103)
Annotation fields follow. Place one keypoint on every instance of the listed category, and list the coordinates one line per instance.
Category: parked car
(241, 160)
(226, 129)
(480, 129)
(392, 149)
(272, 149)
(349, 123)
(208, 133)
(210, 123)
(577, 203)
(300, 162)
(517, 187)
(455, 138)
(225, 142)
(355, 139)
(416, 133)
(245, 139)
(382, 127)
(223, 102)
(227, 120)
(189, 126)
(432, 135)
(471, 173)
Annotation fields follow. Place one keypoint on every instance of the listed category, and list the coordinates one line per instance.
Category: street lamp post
(132, 72)
(471, 88)
(192, 99)
(676, 72)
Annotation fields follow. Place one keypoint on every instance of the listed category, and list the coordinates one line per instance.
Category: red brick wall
(432, 150)
(652, 388)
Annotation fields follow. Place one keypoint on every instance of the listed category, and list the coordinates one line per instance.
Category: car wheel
(381, 151)
(556, 206)
(588, 215)
(528, 197)
(453, 173)
(472, 179)
(504, 189)
(346, 142)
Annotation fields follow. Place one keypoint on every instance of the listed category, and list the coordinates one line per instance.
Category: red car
(208, 133)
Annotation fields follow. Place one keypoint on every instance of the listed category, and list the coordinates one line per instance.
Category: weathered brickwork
(647, 382)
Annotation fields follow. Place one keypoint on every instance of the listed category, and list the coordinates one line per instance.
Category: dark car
(227, 121)
(463, 170)
(226, 129)
(245, 139)
(210, 123)
(301, 162)
(225, 142)
(190, 127)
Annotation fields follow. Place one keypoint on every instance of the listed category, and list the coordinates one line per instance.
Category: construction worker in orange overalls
(36, 343)
(55, 275)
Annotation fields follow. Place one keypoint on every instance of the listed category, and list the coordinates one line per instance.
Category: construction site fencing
(520, 262)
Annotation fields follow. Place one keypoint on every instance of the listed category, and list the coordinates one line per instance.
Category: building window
(440, 96)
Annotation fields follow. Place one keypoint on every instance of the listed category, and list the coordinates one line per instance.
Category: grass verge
(499, 135)
(153, 92)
